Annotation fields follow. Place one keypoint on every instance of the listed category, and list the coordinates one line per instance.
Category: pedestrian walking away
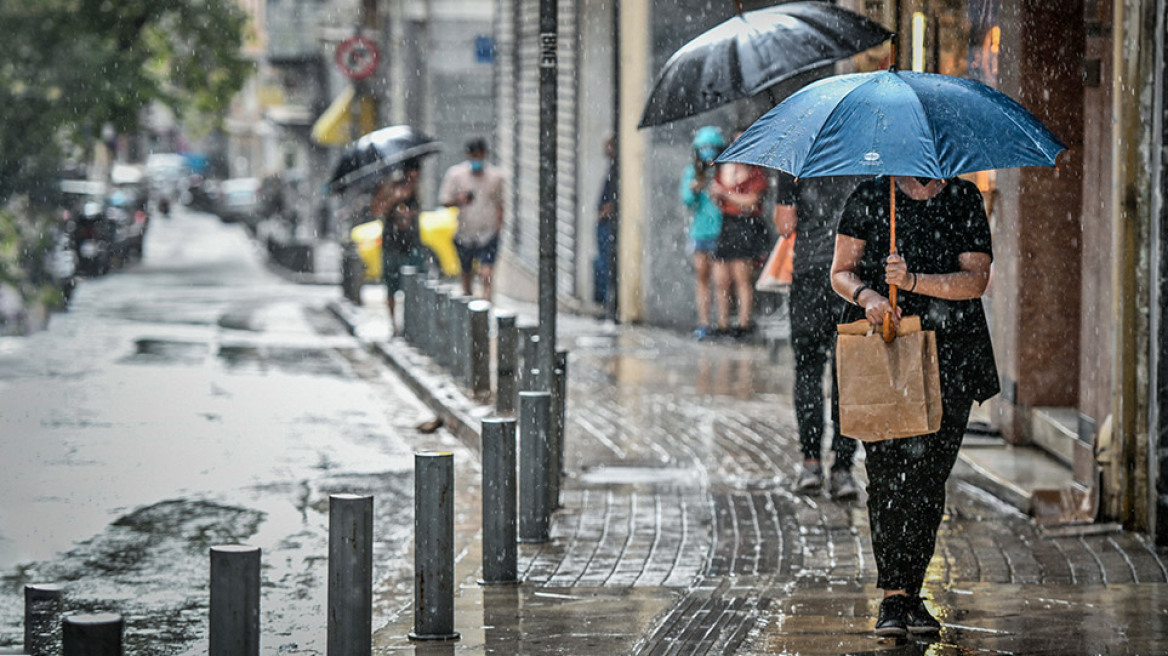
(738, 189)
(395, 202)
(604, 271)
(811, 207)
(475, 187)
(706, 220)
(941, 269)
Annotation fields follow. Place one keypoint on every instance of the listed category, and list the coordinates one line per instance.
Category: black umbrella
(754, 51)
(379, 152)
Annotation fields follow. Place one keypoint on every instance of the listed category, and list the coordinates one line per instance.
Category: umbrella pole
(888, 329)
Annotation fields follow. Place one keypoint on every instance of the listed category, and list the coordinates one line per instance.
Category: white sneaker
(843, 486)
(810, 479)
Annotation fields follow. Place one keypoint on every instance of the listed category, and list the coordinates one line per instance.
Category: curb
(460, 414)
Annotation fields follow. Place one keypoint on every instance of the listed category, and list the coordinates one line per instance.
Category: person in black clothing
(942, 268)
(604, 279)
(810, 207)
(395, 202)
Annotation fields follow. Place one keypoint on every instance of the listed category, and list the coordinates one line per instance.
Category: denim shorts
(485, 254)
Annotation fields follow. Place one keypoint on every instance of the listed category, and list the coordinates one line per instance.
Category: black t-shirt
(930, 236)
(399, 227)
(817, 202)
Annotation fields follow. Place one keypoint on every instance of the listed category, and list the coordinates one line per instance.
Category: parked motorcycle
(92, 238)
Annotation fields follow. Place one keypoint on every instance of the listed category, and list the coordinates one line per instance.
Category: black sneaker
(919, 620)
(893, 613)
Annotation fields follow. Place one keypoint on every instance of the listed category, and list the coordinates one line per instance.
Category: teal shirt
(707, 218)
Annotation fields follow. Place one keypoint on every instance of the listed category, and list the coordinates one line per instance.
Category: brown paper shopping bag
(887, 390)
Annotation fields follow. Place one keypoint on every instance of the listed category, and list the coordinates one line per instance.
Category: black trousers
(906, 497)
(814, 313)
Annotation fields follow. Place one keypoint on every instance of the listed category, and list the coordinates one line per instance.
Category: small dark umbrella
(379, 152)
(753, 52)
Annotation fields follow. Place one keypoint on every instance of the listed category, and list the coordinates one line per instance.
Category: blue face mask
(476, 166)
(708, 154)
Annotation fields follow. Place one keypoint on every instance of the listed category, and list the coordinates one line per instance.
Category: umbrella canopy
(895, 123)
(754, 51)
(378, 152)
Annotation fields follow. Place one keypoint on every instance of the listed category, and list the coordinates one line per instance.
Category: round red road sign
(357, 57)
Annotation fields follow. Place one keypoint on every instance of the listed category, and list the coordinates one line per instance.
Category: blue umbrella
(895, 123)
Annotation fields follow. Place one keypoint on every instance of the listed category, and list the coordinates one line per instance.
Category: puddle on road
(163, 352)
(286, 359)
(149, 565)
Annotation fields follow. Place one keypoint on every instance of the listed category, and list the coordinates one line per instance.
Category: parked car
(239, 201)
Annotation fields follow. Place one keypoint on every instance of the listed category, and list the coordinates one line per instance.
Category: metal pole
(529, 374)
(431, 325)
(534, 509)
(350, 575)
(42, 610)
(479, 375)
(460, 351)
(548, 72)
(434, 546)
(235, 601)
(409, 284)
(506, 339)
(556, 429)
(442, 341)
(92, 635)
(499, 547)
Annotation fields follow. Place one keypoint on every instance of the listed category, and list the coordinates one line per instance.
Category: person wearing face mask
(475, 187)
(706, 222)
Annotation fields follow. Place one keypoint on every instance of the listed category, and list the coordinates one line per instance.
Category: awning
(333, 128)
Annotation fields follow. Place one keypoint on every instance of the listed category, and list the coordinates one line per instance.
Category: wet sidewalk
(680, 533)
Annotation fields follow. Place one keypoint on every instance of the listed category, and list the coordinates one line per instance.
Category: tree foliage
(69, 67)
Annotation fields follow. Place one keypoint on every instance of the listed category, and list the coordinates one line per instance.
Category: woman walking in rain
(706, 222)
(738, 189)
(942, 267)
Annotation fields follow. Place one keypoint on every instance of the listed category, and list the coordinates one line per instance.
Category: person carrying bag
(939, 237)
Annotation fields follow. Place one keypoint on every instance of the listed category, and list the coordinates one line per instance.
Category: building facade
(1079, 279)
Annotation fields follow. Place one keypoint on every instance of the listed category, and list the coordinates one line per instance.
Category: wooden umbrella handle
(888, 329)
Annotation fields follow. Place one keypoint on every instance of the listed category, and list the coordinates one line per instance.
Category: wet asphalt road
(190, 400)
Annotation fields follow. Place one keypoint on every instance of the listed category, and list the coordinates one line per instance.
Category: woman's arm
(785, 218)
(845, 282)
(746, 201)
(968, 283)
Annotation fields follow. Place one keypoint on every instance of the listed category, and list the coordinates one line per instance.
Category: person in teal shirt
(706, 223)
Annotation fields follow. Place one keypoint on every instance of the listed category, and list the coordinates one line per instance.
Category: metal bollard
(442, 342)
(430, 298)
(556, 429)
(460, 338)
(506, 338)
(529, 369)
(433, 546)
(409, 280)
(479, 376)
(350, 575)
(499, 549)
(42, 611)
(534, 509)
(92, 635)
(235, 601)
